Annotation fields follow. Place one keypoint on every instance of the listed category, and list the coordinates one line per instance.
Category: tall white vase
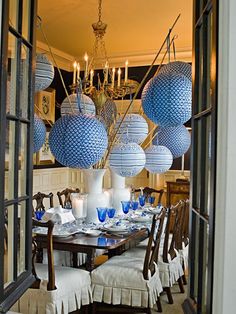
(119, 191)
(96, 197)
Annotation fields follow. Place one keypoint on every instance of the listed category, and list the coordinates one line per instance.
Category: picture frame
(44, 155)
(45, 105)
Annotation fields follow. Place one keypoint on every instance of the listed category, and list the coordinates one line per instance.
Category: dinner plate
(141, 218)
(116, 229)
(56, 233)
(154, 211)
(93, 232)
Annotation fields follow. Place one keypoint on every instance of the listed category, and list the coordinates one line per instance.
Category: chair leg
(169, 295)
(184, 279)
(94, 310)
(159, 307)
(149, 311)
(181, 286)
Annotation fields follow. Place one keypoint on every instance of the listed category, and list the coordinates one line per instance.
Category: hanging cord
(42, 113)
(168, 47)
(174, 52)
(54, 60)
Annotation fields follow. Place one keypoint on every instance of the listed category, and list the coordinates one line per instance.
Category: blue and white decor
(176, 139)
(166, 99)
(178, 67)
(86, 104)
(78, 141)
(109, 112)
(127, 160)
(44, 72)
(158, 159)
(134, 129)
(39, 133)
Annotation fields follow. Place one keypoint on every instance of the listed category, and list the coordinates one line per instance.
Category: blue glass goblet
(111, 212)
(102, 212)
(151, 199)
(125, 206)
(134, 205)
(39, 214)
(141, 200)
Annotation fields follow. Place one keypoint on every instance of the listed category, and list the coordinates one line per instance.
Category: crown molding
(139, 58)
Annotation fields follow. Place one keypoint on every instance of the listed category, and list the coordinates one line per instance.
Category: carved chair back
(148, 191)
(66, 193)
(39, 198)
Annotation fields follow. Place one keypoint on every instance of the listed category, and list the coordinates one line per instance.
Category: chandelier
(110, 81)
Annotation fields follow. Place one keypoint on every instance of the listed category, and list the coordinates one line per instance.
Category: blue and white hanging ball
(134, 129)
(158, 159)
(78, 141)
(179, 67)
(44, 72)
(86, 104)
(39, 133)
(127, 160)
(166, 99)
(177, 139)
(109, 112)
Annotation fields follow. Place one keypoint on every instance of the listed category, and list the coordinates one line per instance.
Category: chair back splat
(151, 256)
(66, 193)
(39, 197)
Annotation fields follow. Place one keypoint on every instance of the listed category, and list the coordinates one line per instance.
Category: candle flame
(75, 65)
(86, 57)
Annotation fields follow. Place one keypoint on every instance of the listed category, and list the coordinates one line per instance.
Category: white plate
(57, 234)
(154, 211)
(93, 233)
(117, 229)
(141, 218)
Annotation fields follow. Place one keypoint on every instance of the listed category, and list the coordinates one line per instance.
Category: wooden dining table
(80, 243)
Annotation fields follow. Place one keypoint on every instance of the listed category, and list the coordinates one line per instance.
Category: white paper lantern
(86, 104)
(127, 160)
(134, 129)
(158, 159)
(44, 72)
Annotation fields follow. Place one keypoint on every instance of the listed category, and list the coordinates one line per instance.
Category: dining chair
(56, 290)
(133, 282)
(66, 194)
(148, 191)
(39, 198)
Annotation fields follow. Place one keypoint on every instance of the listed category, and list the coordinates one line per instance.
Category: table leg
(75, 260)
(90, 262)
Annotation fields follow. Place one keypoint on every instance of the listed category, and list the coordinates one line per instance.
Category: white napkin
(59, 215)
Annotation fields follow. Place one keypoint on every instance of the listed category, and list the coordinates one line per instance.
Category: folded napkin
(58, 215)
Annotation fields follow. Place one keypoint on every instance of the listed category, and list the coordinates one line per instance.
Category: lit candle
(74, 73)
(86, 65)
(78, 71)
(182, 165)
(126, 71)
(119, 74)
(113, 77)
(106, 72)
(91, 77)
(77, 207)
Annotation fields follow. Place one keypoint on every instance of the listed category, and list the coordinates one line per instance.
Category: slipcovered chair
(57, 290)
(130, 281)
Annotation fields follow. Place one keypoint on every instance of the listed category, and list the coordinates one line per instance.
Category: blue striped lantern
(78, 141)
(176, 139)
(127, 160)
(44, 72)
(39, 133)
(78, 101)
(166, 99)
(109, 112)
(178, 67)
(158, 159)
(134, 129)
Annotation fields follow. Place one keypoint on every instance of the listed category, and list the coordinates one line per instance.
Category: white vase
(119, 192)
(96, 197)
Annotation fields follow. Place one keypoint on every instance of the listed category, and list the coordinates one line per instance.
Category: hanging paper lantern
(166, 99)
(39, 133)
(127, 160)
(134, 129)
(109, 112)
(78, 141)
(176, 139)
(44, 72)
(158, 159)
(178, 67)
(86, 104)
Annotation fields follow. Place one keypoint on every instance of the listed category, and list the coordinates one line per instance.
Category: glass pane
(10, 160)
(205, 267)
(26, 19)
(13, 13)
(21, 240)
(211, 76)
(197, 167)
(24, 82)
(12, 75)
(208, 188)
(9, 246)
(23, 160)
(196, 256)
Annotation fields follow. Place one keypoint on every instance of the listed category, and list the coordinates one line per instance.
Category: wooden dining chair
(66, 194)
(132, 282)
(56, 290)
(148, 191)
(40, 198)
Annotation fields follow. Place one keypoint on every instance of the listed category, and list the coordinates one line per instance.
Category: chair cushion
(73, 290)
(120, 281)
(184, 256)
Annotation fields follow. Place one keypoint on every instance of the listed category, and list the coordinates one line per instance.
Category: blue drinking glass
(141, 200)
(125, 206)
(39, 214)
(102, 212)
(151, 199)
(134, 205)
(111, 212)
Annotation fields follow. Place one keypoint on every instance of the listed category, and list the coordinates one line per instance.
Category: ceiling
(136, 28)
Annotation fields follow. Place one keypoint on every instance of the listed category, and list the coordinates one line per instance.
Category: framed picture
(45, 105)
(44, 156)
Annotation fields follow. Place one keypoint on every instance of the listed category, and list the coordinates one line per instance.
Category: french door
(203, 165)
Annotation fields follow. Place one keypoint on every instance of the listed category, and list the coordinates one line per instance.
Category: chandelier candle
(106, 72)
(113, 77)
(86, 65)
(91, 77)
(74, 73)
(78, 71)
(119, 74)
(126, 71)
